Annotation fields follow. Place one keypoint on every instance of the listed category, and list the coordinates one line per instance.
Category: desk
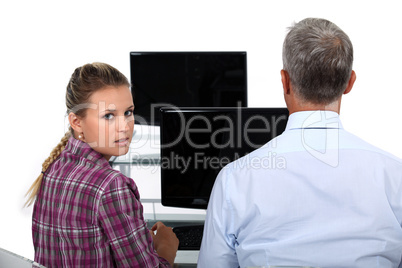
(10, 259)
(184, 265)
(186, 259)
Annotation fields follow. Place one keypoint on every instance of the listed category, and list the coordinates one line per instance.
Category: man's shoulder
(353, 142)
(270, 155)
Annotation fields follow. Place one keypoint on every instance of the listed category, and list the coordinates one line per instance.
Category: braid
(34, 189)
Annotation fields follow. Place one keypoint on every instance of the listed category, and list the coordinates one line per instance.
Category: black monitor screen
(196, 143)
(190, 79)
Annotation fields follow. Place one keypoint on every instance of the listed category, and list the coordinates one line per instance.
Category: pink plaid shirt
(89, 215)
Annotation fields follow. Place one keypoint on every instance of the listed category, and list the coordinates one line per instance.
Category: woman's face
(109, 122)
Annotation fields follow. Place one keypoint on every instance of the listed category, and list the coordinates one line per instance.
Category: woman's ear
(75, 122)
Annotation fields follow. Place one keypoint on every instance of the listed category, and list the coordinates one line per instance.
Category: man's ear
(350, 83)
(285, 82)
(75, 122)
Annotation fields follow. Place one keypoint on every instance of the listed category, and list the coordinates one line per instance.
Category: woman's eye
(128, 113)
(108, 116)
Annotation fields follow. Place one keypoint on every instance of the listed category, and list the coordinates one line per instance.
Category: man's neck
(303, 106)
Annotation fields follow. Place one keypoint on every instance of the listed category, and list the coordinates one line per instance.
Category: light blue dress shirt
(314, 196)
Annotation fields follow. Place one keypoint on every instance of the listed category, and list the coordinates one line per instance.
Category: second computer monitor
(196, 143)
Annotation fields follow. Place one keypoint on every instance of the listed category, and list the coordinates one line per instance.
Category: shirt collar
(314, 119)
(82, 149)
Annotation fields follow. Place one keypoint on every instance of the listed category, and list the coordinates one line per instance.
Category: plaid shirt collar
(82, 149)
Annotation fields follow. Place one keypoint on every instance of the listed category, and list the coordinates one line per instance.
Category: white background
(42, 42)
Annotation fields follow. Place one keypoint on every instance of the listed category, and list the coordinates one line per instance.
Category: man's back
(315, 196)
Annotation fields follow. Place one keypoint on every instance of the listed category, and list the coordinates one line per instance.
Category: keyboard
(189, 236)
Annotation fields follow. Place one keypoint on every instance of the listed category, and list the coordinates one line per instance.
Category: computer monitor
(196, 143)
(186, 79)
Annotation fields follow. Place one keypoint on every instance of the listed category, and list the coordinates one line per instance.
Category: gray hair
(318, 57)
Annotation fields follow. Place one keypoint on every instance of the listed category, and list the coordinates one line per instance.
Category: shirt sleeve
(218, 242)
(120, 215)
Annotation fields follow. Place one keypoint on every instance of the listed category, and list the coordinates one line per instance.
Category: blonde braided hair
(34, 189)
(85, 80)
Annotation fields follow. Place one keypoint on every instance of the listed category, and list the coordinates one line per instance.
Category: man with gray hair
(338, 201)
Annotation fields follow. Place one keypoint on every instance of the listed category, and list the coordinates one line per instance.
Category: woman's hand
(165, 241)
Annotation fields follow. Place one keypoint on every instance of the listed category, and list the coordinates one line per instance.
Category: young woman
(87, 214)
